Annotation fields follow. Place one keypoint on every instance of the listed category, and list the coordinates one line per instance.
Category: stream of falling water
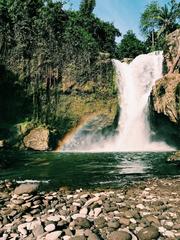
(135, 82)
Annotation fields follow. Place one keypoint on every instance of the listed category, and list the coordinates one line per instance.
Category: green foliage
(148, 21)
(39, 40)
(130, 46)
(158, 21)
(87, 7)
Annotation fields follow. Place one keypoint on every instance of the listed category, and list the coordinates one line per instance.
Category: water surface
(88, 170)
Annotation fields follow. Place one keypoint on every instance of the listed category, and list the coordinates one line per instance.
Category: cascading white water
(135, 81)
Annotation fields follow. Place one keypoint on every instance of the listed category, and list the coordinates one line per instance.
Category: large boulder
(37, 139)
(26, 188)
(2, 143)
(175, 157)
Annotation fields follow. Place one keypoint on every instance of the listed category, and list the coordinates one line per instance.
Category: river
(88, 170)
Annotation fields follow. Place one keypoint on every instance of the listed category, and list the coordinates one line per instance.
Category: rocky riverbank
(146, 211)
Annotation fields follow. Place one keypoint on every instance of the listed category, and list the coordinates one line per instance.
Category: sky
(125, 14)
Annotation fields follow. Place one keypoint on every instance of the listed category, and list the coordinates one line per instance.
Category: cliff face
(68, 104)
(165, 96)
(172, 54)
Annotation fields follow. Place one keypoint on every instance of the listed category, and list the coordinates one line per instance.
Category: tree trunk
(153, 40)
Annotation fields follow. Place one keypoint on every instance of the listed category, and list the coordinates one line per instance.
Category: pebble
(119, 235)
(140, 206)
(78, 215)
(29, 218)
(124, 221)
(93, 236)
(169, 234)
(38, 230)
(82, 222)
(148, 233)
(113, 224)
(53, 235)
(92, 200)
(26, 188)
(22, 230)
(97, 211)
(55, 218)
(50, 227)
(84, 211)
(100, 222)
(145, 211)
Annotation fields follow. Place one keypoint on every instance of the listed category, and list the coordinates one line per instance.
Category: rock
(37, 139)
(18, 201)
(169, 234)
(68, 232)
(2, 143)
(83, 211)
(80, 232)
(84, 195)
(173, 45)
(55, 218)
(120, 235)
(97, 211)
(78, 238)
(22, 230)
(93, 236)
(152, 219)
(124, 221)
(82, 222)
(164, 97)
(165, 110)
(176, 226)
(175, 157)
(168, 225)
(100, 222)
(50, 227)
(148, 233)
(113, 224)
(26, 188)
(92, 200)
(38, 230)
(28, 218)
(53, 235)
(129, 214)
(78, 215)
(140, 206)
(29, 237)
(66, 237)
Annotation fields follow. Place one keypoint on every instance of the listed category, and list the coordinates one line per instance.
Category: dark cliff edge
(165, 96)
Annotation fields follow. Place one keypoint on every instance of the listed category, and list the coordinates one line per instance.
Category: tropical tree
(6, 30)
(130, 46)
(148, 21)
(87, 7)
(160, 20)
(168, 17)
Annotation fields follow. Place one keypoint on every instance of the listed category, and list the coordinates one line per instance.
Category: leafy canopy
(157, 21)
(87, 7)
(130, 46)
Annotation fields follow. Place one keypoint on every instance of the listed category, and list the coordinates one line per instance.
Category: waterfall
(135, 82)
